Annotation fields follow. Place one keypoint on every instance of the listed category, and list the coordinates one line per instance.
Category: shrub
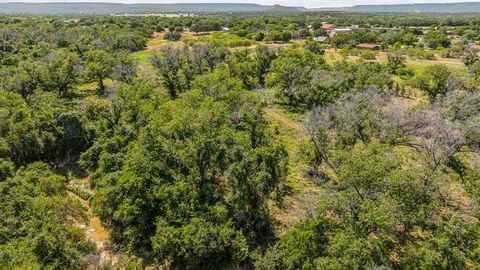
(173, 35)
(368, 55)
(419, 53)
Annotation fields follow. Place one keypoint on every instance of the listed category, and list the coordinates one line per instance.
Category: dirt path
(302, 199)
(285, 120)
(95, 231)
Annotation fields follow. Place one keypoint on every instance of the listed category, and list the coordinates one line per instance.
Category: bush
(435, 39)
(189, 41)
(314, 46)
(368, 55)
(279, 36)
(319, 33)
(419, 53)
(6, 169)
(453, 52)
(405, 73)
(259, 36)
(173, 35)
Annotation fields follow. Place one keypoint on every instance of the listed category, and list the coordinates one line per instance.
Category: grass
(227, 40)
(92, 87)
(154, 42)
(453, 63)
(142, 56)
(332, 55)
(302, 195)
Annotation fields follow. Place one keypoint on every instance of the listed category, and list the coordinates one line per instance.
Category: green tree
(314, 46)
(38, 229)
(291, 73)
(395, 62)
(279, 36)
(58, 71)
(202, 170)
(263, 58)
(433, 80)
(169, 64)
(242, 65)
(173, 35)
(435, 39)
(98, 66)
(25, 134)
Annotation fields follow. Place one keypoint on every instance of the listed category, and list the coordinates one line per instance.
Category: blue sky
(305, 3)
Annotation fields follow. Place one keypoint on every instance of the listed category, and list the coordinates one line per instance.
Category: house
(72, 20)
(310, 28)
(474, 47)
(396, 29)
(450, 34)
(368, 46)
(224, 29)
(321, 39)
(328, 26)
(341, 30)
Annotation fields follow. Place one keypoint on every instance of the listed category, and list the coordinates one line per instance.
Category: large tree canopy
(202, 170)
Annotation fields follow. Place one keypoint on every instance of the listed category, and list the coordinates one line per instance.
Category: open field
(331, 55)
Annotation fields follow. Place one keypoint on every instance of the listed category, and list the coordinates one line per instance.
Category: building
(474, 47)
(224, 29)
(72, 21)
(341, 30)
(368, 46)
(328, 26)
(321, 39)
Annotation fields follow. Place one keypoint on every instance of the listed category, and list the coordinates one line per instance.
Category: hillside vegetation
(239, 142)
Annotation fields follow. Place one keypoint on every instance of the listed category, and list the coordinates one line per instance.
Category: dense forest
(240, 141)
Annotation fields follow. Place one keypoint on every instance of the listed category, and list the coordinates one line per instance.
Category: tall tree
(98, 66)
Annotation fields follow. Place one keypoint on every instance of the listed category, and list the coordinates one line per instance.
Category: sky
(303, 3)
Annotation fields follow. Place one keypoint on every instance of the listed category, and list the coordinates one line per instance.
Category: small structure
(368, 46)
(328, 26)
(224, 29)
(321, 39)
(72, 20)
(396, 29)
(310, 28)
(474, 47)
(341, 30)
(450, 34)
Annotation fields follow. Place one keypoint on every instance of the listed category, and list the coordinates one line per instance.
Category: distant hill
(421, 8)
(57, 8)
(117, 8)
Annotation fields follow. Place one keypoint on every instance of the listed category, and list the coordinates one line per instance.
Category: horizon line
(123, 2)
